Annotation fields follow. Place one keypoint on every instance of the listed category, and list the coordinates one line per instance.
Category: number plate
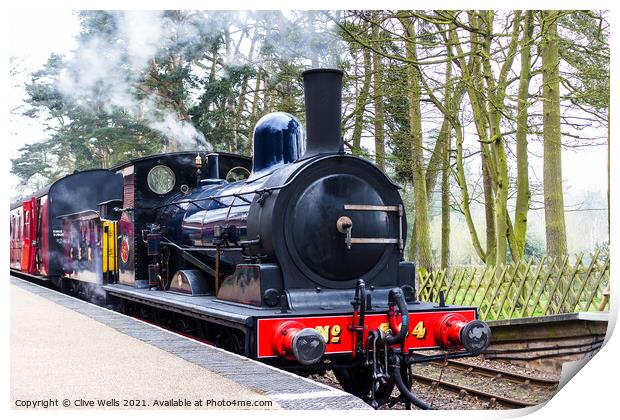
(339, 336)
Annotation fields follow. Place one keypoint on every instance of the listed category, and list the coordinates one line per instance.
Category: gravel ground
(446, 400)
(440, 399)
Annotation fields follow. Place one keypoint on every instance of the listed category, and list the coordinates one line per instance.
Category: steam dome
(278, 139)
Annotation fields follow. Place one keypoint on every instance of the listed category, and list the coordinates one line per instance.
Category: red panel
(44, 236)
(126, 232)
(34, 231)
(34, 235)
(27, 239)
(128, 187)
(422, 327)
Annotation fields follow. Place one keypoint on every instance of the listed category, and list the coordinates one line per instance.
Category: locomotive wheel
(358, 381)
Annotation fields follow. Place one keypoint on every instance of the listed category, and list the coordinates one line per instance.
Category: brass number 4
(419, 331)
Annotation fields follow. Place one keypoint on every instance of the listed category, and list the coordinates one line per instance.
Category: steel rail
(460, 389)
(499, 373)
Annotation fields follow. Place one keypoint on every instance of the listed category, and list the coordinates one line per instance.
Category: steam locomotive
(293, 257)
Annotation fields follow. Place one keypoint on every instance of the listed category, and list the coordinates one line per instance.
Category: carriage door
(110, 256)
(125, 233)
(15, 257)
(29, 234)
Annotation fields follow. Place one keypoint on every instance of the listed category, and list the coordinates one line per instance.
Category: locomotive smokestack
(323, 98)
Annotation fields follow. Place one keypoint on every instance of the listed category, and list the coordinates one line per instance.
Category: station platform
(68, 354)
(546, 343)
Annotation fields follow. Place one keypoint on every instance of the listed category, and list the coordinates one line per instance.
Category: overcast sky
(36, 33)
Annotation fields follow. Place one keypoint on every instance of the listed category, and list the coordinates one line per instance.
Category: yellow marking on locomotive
(335, 334)
(109, 246)
(331, 334)
(419, 331)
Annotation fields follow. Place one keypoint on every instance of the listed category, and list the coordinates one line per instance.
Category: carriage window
(27, 225)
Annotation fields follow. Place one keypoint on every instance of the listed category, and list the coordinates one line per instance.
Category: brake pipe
(359, 313)
(404, 390)
(397, 297)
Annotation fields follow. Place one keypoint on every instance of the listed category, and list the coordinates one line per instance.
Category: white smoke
(106, 69)
(144, 34)
(171, 126)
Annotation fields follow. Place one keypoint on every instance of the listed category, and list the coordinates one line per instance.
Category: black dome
(278, 139)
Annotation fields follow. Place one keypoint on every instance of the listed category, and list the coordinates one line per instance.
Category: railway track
(495, 386)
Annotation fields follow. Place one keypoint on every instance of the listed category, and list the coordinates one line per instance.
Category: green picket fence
(526, 288)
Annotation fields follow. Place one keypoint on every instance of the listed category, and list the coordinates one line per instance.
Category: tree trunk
(253, 119)
(268, 94)
(460, 178)
(472, 79)
(445, 203)
(435, 165)
(552, 160)
(230, 136)
(477, 95)
(496, 92)
(496, 165)
(242, 97)
(378, 98)
(608, 175)
(468, 78)
(501, 204)
(523, 188)
(489, 206)
(422, 236)
(360, 105)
